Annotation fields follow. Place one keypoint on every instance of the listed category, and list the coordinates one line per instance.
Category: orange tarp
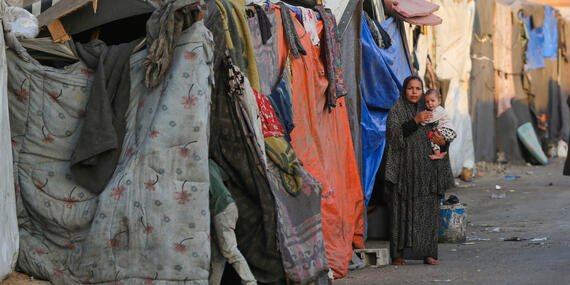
(323, 143)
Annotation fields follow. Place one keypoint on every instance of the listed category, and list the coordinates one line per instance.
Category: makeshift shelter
(481, 83)
(452, 62)
(9, 244)
(280, 230)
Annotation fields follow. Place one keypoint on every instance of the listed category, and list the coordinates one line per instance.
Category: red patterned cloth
(269, 123)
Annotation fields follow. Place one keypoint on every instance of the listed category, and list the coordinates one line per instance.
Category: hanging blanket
(152, 221)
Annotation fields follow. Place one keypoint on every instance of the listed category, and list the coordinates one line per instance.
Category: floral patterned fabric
(269, 123)
(152, 221)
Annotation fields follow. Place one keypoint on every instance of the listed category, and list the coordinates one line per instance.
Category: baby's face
(432, 101)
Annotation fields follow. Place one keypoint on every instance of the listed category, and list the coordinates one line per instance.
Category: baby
(440, 121)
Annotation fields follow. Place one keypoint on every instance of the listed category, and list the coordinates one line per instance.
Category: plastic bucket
(452, 226)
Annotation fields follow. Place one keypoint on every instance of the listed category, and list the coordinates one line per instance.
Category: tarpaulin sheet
(535, 43)
(395, 56)
(453, 62)
(322, 142)
(550, 49)
(380, 89)
(481, 84)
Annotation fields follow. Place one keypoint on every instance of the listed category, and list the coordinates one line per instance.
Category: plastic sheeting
(534, 49)
(9, 226)
(380, 89)
(453, 39)
(322, 142)
(550, 49)
(396, 56)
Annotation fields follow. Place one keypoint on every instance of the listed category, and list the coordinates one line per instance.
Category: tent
(9, 227)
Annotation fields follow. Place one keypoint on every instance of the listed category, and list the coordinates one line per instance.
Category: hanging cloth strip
(264, 23)
(333, 58)
(164, 28)
(292, 37)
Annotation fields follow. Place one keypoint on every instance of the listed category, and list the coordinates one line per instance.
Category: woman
(415, 183)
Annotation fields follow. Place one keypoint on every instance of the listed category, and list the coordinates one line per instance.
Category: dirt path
(536, 205)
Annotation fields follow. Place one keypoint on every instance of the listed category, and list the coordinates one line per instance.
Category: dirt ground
(536, 205)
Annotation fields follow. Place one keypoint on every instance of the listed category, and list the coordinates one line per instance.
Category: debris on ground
(538, 239)
(478, 239)
(498, 196)
(496, 230)
(512, 176)
(515, 239)
(497, 187)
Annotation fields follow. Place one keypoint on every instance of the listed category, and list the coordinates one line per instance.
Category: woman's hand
(437, 138)
(423, 117)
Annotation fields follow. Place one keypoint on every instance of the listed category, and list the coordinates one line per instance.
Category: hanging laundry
(310, 24)
(233, 147)
(265, 54)
(292, 36)
(280, 99)
(264, 24)
(299, 228)
(163, 31)
(376, 35)
(322, 141)
(159, 188)
(333, 58)
(269, 122)
(97, 152)
(244, 35)
(233, 40)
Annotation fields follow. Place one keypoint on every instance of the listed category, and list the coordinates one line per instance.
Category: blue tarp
(383, 71)
(534, 58)
(543, 41)
(550, 49)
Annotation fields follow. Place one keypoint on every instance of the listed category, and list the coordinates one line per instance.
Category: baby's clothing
(442, 123)
(440, 116)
